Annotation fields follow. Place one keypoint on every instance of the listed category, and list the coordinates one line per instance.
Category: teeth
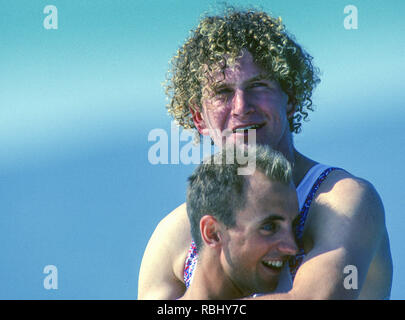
(274, 264)
(253, 126)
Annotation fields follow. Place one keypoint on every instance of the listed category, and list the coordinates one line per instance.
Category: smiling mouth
(275, 265)
(250, 127)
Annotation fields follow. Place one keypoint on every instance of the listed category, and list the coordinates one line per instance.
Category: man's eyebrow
(259, 77)
(273, 217)
(223, 84)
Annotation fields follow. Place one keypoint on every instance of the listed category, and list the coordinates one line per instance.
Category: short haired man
(241, 70)
(242, 225)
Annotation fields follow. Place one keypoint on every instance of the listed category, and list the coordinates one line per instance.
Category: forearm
(276, 296)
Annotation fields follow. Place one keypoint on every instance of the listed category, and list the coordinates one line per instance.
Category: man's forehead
(233, 69)
(263, 191)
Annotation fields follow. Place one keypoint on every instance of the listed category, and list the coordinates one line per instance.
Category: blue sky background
(77, 104)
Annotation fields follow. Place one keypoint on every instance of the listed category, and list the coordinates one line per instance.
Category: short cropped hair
(218, 41)
(215, 188)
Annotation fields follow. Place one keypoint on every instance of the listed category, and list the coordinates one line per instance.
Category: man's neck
(209, 282)
(286, 147)
(300, 163)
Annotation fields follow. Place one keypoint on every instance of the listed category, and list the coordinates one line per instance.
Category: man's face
(245, 98)
(257, 248)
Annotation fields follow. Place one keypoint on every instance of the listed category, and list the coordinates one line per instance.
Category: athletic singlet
(305, 193)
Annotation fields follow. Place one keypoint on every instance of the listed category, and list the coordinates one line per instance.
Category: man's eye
(223, 91)
(258, 85)
(269, 227)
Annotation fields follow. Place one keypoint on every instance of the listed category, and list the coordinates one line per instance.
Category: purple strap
(295, 262)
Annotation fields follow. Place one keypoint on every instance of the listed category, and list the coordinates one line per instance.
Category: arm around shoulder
(346, 224)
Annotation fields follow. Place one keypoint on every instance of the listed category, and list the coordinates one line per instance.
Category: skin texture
(345, 224)
(232, 260)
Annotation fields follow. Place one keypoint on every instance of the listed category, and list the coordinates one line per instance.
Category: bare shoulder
(160, 275)
(348, 204)
(349, 195)
(174, 230)
(174, 223)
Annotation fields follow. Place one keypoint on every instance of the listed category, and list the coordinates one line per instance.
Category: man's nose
(288, 245)
(240, 104)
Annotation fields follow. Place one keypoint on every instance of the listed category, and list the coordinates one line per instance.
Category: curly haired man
(242, 71)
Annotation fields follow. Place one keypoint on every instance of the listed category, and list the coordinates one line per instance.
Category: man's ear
(198, 120)
(210, 231)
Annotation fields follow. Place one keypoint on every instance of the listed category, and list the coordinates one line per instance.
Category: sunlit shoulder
(161, 271)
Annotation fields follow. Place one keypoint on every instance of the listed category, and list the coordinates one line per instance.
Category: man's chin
(239, 138)
(241, 142)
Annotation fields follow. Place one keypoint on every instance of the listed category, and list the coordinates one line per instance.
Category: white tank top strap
(308, 181)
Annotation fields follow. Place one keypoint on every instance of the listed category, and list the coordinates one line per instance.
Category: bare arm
(346, 225)
(160, 276)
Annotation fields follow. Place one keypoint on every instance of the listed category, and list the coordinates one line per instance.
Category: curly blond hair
(218, 41)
